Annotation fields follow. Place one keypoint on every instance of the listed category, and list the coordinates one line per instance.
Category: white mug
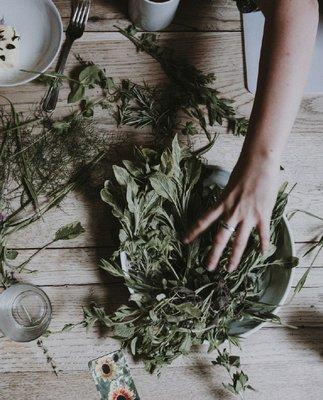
(152, 15)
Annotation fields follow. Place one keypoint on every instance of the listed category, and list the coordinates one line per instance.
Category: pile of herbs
(42, 159)
(175, 302)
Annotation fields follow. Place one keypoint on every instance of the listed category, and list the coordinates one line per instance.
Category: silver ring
(230, 228)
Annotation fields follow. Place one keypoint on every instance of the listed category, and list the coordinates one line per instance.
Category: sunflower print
(106, 369)
(113, 378)
(122, 394)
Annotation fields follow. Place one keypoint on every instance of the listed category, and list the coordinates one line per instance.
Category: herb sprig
(41, 160)
(188, 103)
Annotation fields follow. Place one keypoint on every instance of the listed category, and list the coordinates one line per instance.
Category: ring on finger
(228, 227)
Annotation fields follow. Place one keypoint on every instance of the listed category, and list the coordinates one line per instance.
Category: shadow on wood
(309, 337)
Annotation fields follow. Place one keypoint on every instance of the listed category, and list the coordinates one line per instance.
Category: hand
(247, 202)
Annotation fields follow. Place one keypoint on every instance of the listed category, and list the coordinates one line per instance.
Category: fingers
(203, 223)
(264, 234)
(220, 241)
(239, 246)
(241, 241)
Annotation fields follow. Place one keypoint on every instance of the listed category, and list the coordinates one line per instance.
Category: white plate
(40, 28)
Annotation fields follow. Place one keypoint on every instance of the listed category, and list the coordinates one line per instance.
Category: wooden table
(282, 363)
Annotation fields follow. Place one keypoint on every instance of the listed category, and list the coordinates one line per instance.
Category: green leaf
(133, 345)
(87, 108)
(189, 309)
(189, 129)
(70, 231)
(77, 93)
(176, 151)
(160, 297)
(122, 175)
(186, 345)
(47, 334)
(11, 254)
(112, 268)
(193, 168)
(300, 284)
(61, 126)
(90, 75)
(123, 331)
(68, 327)
(164, 186)
(287, 262)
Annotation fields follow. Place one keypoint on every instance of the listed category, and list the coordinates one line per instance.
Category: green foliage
(70, 231)
(175, 302)
(187, 103)
(316, 247)
(189, 93)
(41, 160)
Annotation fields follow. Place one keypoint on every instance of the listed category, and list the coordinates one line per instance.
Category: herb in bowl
(175, 303)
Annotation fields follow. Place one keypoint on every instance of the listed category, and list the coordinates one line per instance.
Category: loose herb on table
(41, 160)
(188, 103)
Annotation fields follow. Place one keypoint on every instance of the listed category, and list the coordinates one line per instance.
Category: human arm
(249, 198)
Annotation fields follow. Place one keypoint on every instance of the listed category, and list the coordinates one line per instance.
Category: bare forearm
(288, 43)
(250, 195)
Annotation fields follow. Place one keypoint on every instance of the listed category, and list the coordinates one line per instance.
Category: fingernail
(185, 240)
(210, 266)
(230, 268)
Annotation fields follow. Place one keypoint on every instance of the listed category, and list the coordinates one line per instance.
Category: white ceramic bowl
(279, 278)
(39, 25)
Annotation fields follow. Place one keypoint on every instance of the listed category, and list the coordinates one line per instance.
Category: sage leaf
(77, 93)
(68, 327)
(11, 254)
(164, 186)
(70, 231)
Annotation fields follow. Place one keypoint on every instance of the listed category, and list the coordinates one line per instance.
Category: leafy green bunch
(175, 303)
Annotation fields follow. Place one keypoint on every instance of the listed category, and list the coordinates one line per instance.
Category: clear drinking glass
(25, 312)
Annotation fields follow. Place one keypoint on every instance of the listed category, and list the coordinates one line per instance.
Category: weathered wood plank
(72, 351)
(281, 381)
(203, 15)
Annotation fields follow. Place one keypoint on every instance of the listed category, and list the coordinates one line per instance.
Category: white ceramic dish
(279, 279)
(39, 25)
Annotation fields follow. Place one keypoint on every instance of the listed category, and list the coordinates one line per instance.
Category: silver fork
(79, 16)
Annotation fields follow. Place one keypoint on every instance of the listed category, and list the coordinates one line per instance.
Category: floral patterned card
(113, 378)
